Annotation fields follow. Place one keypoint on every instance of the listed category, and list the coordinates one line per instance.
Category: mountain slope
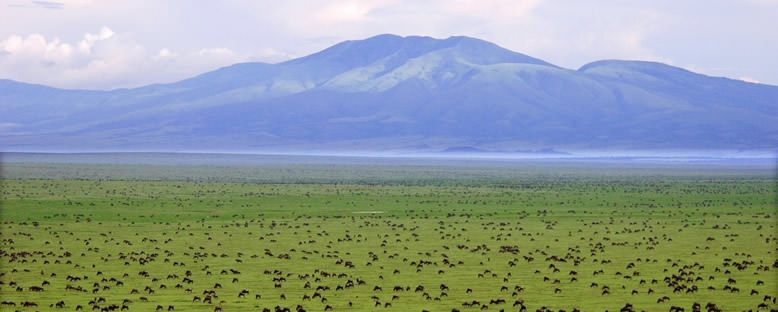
(390, 93)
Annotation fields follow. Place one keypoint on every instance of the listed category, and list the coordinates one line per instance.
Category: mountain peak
(645, 71)
(390, 91)
(356, 53)
(468, 40)
(641, 66)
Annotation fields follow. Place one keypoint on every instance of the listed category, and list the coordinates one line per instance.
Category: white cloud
(492, 9)
(89, 39)
(165, 53)
(349, 19)
(336, 12)
(103, 60)
(749, 79)
(166, 40)
(270, 55)
(216, 51)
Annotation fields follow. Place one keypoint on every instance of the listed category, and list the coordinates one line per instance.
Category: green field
(402, 238)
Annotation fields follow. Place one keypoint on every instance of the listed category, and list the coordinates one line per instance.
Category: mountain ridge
(389, 92)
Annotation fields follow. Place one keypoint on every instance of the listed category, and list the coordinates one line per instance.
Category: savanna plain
(394, 237)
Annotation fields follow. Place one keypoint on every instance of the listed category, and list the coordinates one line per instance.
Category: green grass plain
(553, 238)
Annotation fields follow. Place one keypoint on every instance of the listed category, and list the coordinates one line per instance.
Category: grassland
(402, 238)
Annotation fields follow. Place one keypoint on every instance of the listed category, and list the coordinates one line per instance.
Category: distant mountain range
(391, 93)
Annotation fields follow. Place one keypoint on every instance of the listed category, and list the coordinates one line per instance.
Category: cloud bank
(103, 60)
(112, 43)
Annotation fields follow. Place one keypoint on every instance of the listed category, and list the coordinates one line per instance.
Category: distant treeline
(383, 174)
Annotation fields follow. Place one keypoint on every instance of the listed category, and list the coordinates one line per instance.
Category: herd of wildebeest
(622, 245)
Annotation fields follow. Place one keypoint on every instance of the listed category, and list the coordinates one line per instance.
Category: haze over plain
(455, 93)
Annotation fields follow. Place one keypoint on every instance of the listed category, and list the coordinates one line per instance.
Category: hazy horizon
(90, 44)
(688, 157)
(391, 77)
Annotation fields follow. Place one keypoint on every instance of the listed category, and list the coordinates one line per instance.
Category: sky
(107, 44)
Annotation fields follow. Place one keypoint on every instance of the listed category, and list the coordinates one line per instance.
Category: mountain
(403, 93)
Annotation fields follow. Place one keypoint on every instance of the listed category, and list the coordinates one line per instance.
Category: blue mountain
(403, 93)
